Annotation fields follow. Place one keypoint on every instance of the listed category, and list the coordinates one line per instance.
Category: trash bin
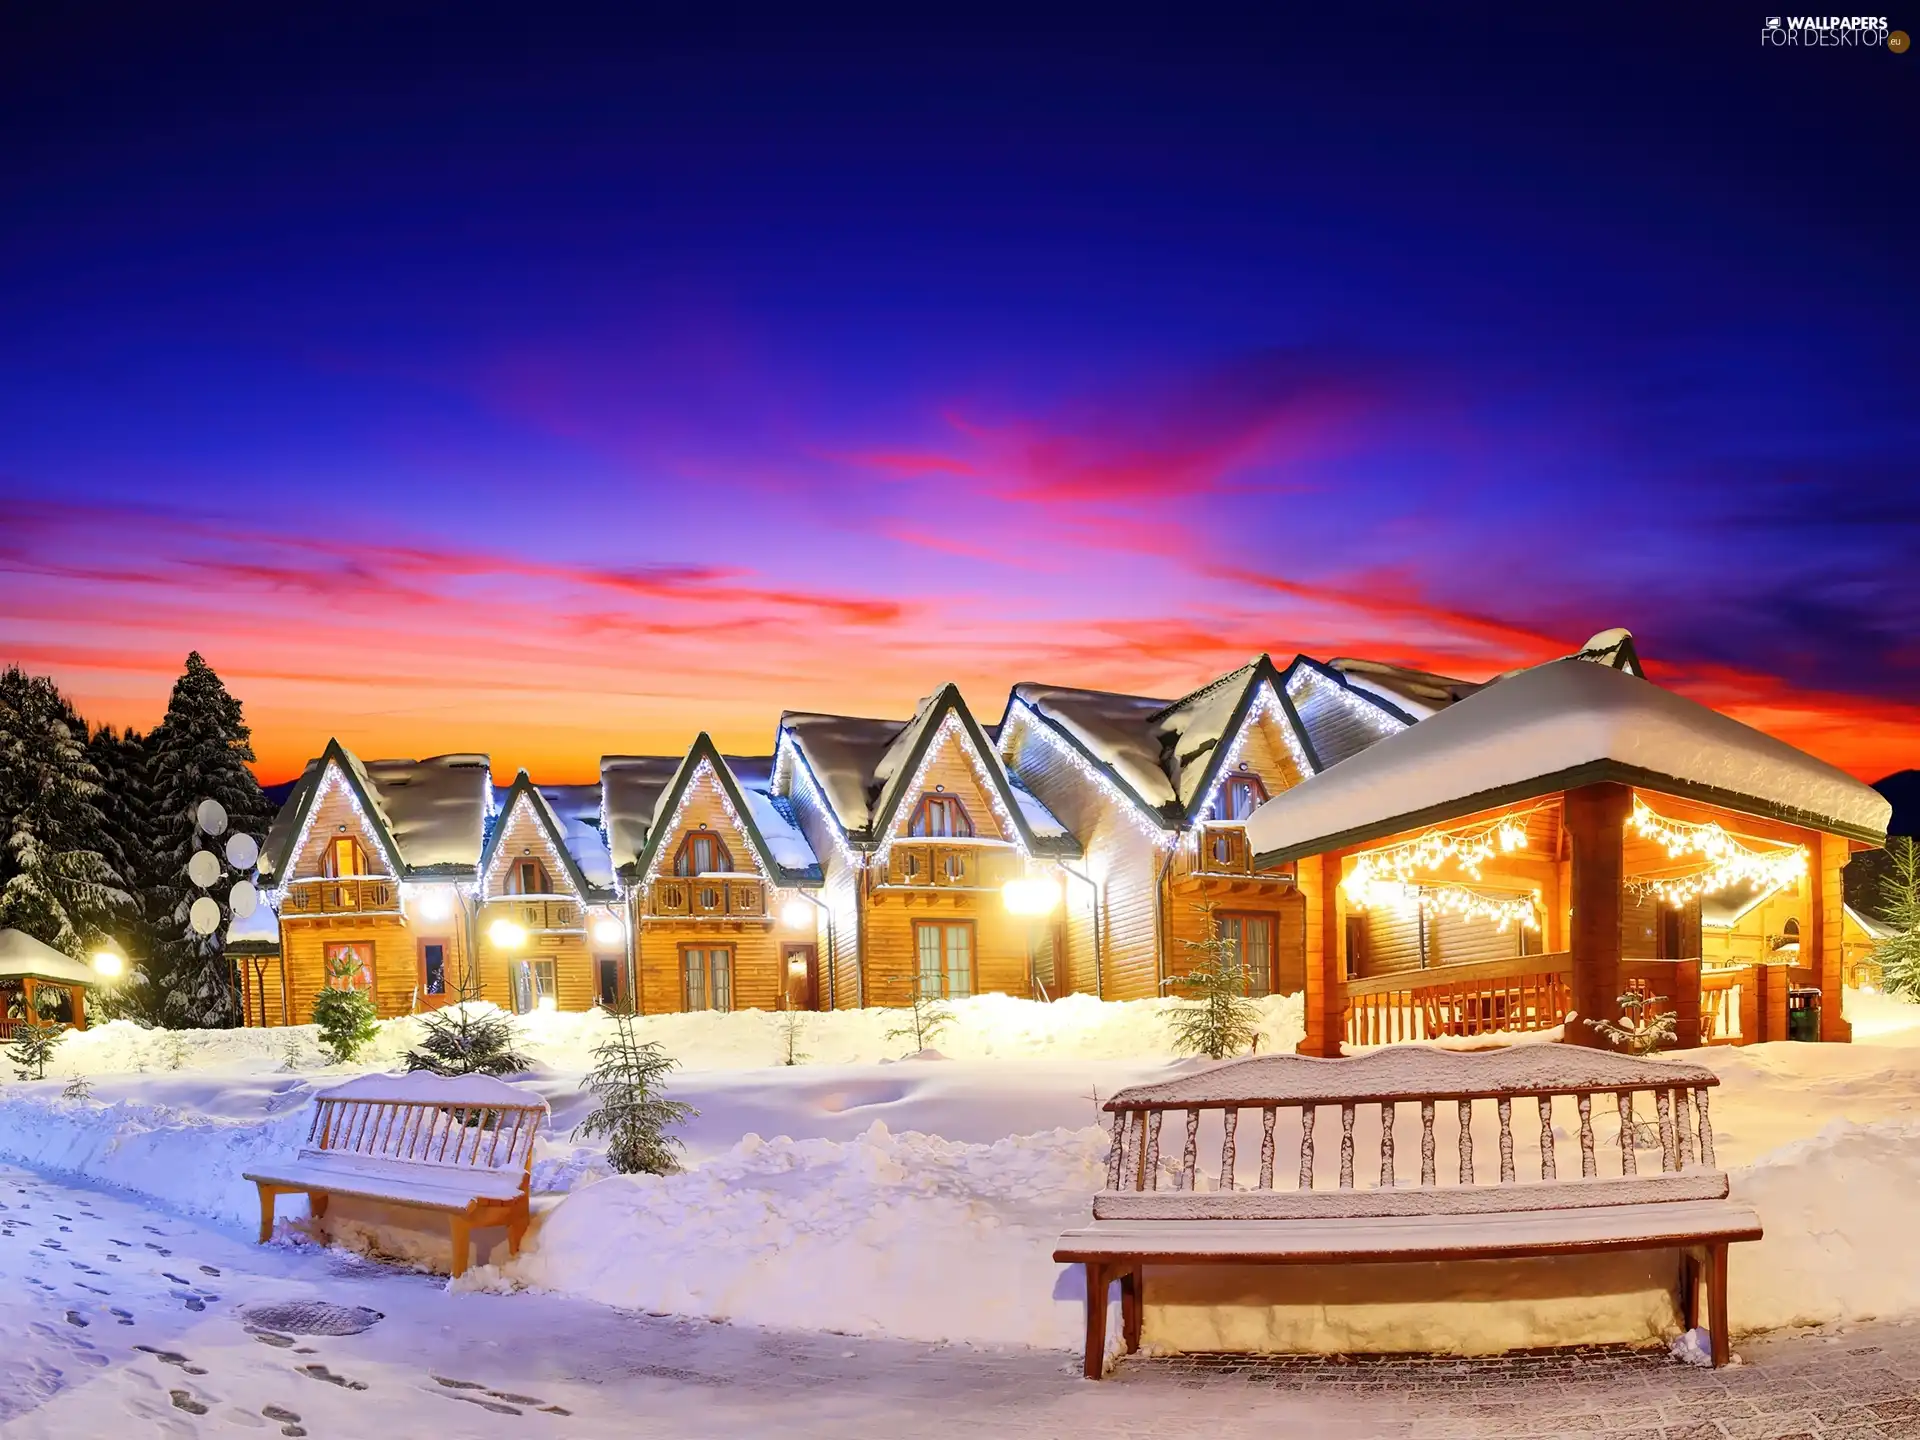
(1803, 1014)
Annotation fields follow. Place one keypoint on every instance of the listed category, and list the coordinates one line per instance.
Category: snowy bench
(461, 1145)
(1198, 1219)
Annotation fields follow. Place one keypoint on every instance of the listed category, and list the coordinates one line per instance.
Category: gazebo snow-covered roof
(1557, 726)
(22, 956)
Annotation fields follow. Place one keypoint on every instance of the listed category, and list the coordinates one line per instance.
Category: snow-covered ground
(920, 1198)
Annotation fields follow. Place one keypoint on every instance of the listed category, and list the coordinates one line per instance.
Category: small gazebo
(1536, 851)
(27, 968)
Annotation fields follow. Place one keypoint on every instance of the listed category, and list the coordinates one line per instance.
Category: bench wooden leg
(462, 1243)
(317, 1209)
(1133, 1296)
(267, 1193)
(1718, 1326)
(517, 1227)
(1096, 1357)
(1689, 1289)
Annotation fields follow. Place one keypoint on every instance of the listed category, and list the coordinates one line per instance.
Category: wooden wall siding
(255, 978)
(840, 951)
(526, 838)
(1283, 903)
(1000, 961)
(1392, 943)
(334, 812)
(952, 770)
(1337, 729)
(1267, 755)
(757, 973)
(573, 967)
(396, 956)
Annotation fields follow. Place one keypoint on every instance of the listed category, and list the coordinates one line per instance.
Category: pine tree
(126, 804)
(1643, 1027)
(631, 1109)
(346, 1021)
(200, 752)
(471, 1038)
(56, 882)
(33, 1045)
(1218, 1020)
(1899, 954)
(921, 1019)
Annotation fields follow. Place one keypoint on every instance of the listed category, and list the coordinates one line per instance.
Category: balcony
(536, 913)
(1525, 993)
(954, 865)
(362, 895)
(708, 897)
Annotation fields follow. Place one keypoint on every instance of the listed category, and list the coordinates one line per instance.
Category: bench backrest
(1286, 1093)
(466, 1122)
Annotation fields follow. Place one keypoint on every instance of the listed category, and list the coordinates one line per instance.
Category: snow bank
(904, 1235)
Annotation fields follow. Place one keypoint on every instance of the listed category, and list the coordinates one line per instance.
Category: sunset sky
(552, 388)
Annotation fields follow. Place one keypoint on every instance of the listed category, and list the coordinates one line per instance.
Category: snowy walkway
(116, 1319)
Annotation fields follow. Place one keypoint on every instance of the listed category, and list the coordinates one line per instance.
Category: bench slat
(1546, 1195)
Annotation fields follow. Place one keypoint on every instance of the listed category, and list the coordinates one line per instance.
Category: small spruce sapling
(467, 1039)
(34, 1042)
(1643, 1027)
(1898, 956)
(1217, 1019)
(792, 1031)
(346, 1021)
(631, 1109)
(174, 1050)
(921, 1019)
(77, 1088)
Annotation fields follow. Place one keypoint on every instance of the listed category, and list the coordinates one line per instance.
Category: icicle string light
(1381, 721)
(791, 764)
(672, 827)
(1128, 805)
(1728, 861)
(1265, 703)
(1505, 908)
(556, 869)
(1466, 850)
(330, 780)
(951, 731)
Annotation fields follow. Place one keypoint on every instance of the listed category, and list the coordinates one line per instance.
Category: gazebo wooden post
(1596, 824)
(1821, 945)
(30, 999)
(79, 994)
(1318, 877)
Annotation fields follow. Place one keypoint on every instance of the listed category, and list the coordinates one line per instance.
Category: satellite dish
(243, 899)
(204, 917)
(204, 868)
(212, 816)
(242, 851)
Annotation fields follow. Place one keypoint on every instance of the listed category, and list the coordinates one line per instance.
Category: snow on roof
(636, 789)
(1723, 909)
(260, 928)
(1340, 719)
(435, 809)
(22, 955)
(1114, 729)
(577, 809)
(631, 787)
(1419, 693)
(1192, 727)
(1875, 929)
(1042, 821)
(773, 816)
(1565, 722)
(844, 752)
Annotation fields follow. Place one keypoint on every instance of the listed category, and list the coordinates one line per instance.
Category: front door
(802, 965)
(436, 980)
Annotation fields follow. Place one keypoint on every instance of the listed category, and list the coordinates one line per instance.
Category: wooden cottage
(1542, 847)
(718, 879)
(940, 870)
(40, 983)
(371, 868)
(1159, 793)
(549, 933)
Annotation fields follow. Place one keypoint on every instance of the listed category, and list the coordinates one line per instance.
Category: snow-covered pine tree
(470, 1038)
(200, 752)
(126, 805)
(1898, 956)
(1218, 1020)
(56, 882)
(631, 1110)
(1643, 1029)
(33, 1045)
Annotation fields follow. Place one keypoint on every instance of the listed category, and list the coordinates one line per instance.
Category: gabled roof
(767, 821)
(865, 770)
(22, 955)
(1560, 725)
(577, 808)
(427, 816)
(524, 792)
(1166, 754)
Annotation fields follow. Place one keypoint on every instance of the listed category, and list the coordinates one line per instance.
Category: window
(707, 974)
(945, 950)
(940, 816)
(1240, 796)
(349, 965)
(344, 859)
(529, 877)
(1252, 937)
(702, 853)
(433, 967)
(546, 983)
(607, 991)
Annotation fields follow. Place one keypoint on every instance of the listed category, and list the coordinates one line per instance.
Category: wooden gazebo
(27, 967)
(1540, 849)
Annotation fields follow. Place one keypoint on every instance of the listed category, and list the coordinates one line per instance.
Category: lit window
(344, 859)
(1240, 796)
(1252, 937)
(529, 877)
(702, 853)
(945, 952)
(707, 974)
(940, 816)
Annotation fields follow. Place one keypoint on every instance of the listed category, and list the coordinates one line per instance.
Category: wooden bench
(461, 1145)
(1160, 1208)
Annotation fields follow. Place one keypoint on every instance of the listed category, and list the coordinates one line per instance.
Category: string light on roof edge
(1380, 719)
(1265, 700)
(1467, 849)
(951, 729)
(1730, 862)
(1505, 908)
(329, 778)
(557, 869)
(790, 762)
(1127, 804)
(672, 828)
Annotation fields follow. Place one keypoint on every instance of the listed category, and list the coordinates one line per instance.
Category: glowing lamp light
(546, 1005)
(435, 904)
(507, 935)
(608, 931)
(1031, 897)
(796, 914)
(107, 965)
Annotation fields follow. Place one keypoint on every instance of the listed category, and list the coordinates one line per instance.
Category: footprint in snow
(321, 1372)
(125, 1317)
(123, 1244)
(74, 1317)
(209, 1270)
(92, 1289)
(271, 1337)
(288, 1420)
(172, 1357)
(183, 1401)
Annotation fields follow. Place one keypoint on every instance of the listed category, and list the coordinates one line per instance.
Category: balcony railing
(1528, 992)
(536, 914)
(951, 864)
(708, 897)
(359, 895)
